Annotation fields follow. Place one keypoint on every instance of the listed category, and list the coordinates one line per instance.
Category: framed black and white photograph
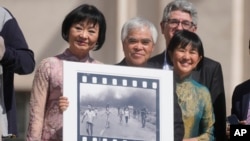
(117, 103)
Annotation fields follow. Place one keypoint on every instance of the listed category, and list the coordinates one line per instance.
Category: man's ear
(194, 28)
(153, 47)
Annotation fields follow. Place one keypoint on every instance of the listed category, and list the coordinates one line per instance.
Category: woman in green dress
(185, 53)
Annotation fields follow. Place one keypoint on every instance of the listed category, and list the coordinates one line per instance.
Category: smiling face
(138, 46)
(185, 60)
(83, 37)
(168, 31)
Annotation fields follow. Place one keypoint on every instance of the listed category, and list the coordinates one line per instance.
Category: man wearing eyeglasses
(181, 15)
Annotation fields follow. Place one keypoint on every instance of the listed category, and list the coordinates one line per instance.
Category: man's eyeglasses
(173, 23)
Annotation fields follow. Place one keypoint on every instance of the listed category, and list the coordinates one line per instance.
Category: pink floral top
(46, 121)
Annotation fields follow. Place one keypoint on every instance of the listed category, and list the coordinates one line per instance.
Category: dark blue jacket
(240, 100)
(18, 58)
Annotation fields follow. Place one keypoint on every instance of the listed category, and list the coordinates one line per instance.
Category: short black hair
(85, 12)
(183, 38)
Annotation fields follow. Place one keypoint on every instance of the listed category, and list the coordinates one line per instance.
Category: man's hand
(243, 122)
(2, 47)
(228, 131)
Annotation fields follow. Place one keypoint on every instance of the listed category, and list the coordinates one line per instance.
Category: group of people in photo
(89, 116)
(199, 95)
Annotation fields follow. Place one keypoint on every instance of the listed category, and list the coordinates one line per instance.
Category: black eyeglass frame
(177, 22)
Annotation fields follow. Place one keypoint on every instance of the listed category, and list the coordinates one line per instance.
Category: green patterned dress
(197, 111)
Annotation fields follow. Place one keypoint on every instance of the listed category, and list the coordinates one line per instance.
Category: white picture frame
(116, 87)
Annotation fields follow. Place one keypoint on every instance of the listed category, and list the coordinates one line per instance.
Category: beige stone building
(224, 27)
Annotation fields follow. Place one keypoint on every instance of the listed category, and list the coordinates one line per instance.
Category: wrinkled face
(185, 60)
(83, 37)
(138, 46)
(167, 28)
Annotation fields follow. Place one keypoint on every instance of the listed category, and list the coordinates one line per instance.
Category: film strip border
(124, 81)
(104, 139)
(118, 81)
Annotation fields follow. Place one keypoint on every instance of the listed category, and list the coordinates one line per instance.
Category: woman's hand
(63, 103)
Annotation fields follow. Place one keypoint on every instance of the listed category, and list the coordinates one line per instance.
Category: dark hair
(87, 13)
(183, 38)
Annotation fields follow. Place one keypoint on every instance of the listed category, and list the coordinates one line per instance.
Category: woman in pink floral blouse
(84, 29)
